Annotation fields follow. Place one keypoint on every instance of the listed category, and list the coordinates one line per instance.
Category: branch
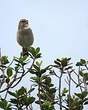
(60, 97)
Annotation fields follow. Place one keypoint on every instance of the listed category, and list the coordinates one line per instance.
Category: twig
(39, 95)
(75, 82)
(60, 97)
(69, 84)
(79, 78)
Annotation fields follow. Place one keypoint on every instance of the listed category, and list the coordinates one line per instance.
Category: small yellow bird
(24, 36)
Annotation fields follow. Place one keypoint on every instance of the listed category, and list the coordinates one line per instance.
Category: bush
(49, 96)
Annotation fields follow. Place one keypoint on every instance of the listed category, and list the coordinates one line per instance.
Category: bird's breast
(25, 37)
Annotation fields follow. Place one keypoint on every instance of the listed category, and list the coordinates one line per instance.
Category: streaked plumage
(24, 35)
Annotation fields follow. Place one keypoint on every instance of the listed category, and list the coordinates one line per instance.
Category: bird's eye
(23, 21)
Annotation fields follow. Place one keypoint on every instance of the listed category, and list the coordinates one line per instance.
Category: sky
(60, 27)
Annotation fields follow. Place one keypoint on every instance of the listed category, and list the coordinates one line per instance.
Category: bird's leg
(21, 54)
(24, 52)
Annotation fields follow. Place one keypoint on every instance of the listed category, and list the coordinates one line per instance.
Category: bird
(25, 36)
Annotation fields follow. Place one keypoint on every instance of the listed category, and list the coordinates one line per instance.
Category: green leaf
(23, 59)
(9, 107)
(9, 72)
(4, 60)
(79, 95)
(38, 55)
(86, 76)
(52, 90)
(70, 67)
(81, 73)
(78, 64)
(86, 103)
(69, 99)
(16, 68)
(56, 62)
(3, 104)
(82, 95)
(32, 51)
(29, 100)
(14, 101)
(64, 62)
(32, 89)
(43, 71)
(16, 59)
(37, 68)
(64, 91)
(36, 79)
(39, 64)
(12, 93)
(85, 99)
(51, 85)
(83, 62)
(21, 91)
(42, 96)
(47, 104)
(32, 71)
(48, 80)
(37, 50)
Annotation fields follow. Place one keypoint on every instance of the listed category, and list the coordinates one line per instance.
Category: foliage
(48, 95)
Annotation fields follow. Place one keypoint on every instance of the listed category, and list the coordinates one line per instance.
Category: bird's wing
(25, 38)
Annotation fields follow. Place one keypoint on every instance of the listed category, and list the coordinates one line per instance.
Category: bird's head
(23, 24)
